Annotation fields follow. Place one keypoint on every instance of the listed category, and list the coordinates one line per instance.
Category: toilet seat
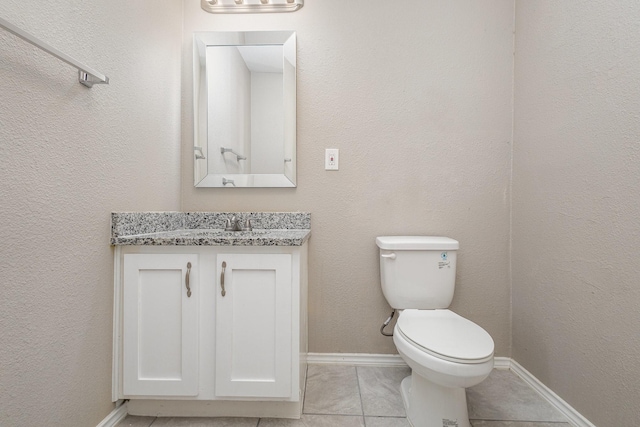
(446, 335)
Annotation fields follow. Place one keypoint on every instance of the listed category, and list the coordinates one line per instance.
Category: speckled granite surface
(207, 228)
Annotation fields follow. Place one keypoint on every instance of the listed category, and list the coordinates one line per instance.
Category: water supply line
(386, 323)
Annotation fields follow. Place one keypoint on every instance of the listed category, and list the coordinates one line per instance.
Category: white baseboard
(382, 360)
(117, 415)
(503, 363)
(360, 359)
(575, 418)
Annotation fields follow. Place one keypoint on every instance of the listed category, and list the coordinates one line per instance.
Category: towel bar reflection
(199, 153)
(230, 150)
(86, 76)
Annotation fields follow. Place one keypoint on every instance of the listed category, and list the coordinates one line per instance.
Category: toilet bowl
(446, 352)
(445, 347)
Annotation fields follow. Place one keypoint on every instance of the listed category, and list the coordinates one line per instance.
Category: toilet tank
(418, 271)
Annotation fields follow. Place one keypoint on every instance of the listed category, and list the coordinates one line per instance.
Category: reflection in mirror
(245, 109)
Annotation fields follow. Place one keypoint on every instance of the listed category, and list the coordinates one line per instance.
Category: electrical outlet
(331, 159)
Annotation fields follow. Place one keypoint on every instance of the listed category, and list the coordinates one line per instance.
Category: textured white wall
(418, 99)
(68, 157)
(576, 205)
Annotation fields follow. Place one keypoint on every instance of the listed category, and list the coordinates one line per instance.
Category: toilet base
(432, 405)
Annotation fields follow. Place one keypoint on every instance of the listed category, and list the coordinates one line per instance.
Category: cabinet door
(160, 343)
(253, 325)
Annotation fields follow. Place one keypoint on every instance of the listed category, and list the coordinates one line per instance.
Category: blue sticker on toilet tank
(444, 261)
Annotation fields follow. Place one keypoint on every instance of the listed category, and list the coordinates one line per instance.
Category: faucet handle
(247, 225)
(230, 224)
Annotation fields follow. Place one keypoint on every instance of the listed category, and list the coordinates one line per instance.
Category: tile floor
(361, 396)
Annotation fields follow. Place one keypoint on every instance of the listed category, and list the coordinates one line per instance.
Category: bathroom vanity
(210, 322)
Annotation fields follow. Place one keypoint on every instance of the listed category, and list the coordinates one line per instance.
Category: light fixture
(251, 6)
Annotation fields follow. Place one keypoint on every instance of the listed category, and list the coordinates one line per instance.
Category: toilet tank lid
(413, 243)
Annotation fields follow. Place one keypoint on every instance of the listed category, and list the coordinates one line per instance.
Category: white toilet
(445, 351)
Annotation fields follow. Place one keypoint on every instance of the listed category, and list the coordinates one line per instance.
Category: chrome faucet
(234, 225)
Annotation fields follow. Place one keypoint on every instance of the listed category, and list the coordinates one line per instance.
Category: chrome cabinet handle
(390, 256)
(224, 266)
(186, 280)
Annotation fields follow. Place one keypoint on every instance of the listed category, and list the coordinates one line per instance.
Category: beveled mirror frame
(203, 148)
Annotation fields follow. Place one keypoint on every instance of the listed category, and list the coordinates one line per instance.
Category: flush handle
(390, 256)
(186, 280)
(224, 266)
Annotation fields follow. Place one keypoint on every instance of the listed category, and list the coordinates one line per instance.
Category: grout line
(335, 415)
(393, 417)
(306, 384)
(360, 396)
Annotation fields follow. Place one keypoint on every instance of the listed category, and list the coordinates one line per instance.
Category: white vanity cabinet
(236, 346)
(160, 314)
(254, 346)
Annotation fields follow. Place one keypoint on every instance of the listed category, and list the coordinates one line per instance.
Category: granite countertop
(207, 229)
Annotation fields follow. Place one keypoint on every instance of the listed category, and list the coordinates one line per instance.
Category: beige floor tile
(332, 390)
(204, 422)
(505, 396)
(133, 421)
(380, 390)
(483, 423)
(315, 421)
(386, 422)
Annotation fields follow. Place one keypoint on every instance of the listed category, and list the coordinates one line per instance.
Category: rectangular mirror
(244, 91)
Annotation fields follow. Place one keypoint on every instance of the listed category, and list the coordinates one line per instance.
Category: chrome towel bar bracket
(86, 76)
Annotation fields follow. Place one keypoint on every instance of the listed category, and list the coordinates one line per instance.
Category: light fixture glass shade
(251, 6)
